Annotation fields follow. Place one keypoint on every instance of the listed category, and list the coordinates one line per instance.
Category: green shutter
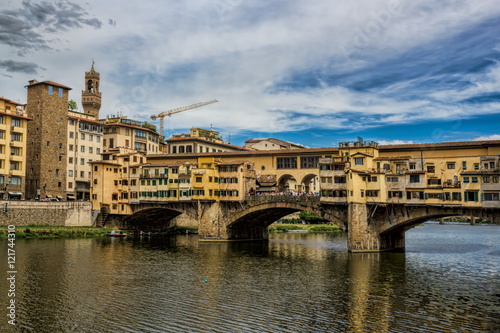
(466, 197)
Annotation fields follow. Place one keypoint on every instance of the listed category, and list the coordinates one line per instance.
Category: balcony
(456, 184)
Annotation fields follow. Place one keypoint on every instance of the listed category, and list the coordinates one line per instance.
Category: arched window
(189, 149)
(181, 149)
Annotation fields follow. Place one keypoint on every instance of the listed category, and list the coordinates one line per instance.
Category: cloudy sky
(314, 72)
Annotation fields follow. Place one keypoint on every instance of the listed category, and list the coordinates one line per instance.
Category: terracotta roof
(50, 83)
(480, 172)
(232, 163)
(457, 144)
(102, 121)
(192, 138)
(85, 119)
(15, 115)
(392, 158)
(245, 153)
(175, 164)
(110, 162)
(10, 101)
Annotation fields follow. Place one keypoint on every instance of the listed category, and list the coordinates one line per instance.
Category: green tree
(72, 106)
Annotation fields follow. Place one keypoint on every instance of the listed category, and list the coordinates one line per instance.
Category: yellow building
(456, 173)
(13, 138)
(121, 132)
(199, 140)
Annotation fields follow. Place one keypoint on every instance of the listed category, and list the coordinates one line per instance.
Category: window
(413, 166)
(476, 166)
(339, 179)
(15, 137)
(474, 179)
(71, 135)
(14, 165)
(70, 160)
(70, 173)
(491, 197)
(431, 169)
(486, 179)
(450, 165)
(395, 194)
(91, 137)
(70, 184)
(98, 138)
(392, 179)
(82, 136)
(372, 179)
(82, 149)
(494, 179)
(15, 181)
(82, 161)
(140, 134)
(16, 122)
(91, 150)
(464, 165)
(70, 147)
(433, 181)
(111, 143)
(372, 193)
(287, 162)
(466, 179)
(199, 179)
(16, 151)
(98, 150)
(456, 196)
(60, 92)
(414, 178)
(50, 90)
(358, 160)
(310, 162)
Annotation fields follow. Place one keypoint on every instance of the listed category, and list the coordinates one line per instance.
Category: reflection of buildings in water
(369, 307)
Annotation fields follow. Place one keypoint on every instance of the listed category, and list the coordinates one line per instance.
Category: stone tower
(47, 139)
(91, 97)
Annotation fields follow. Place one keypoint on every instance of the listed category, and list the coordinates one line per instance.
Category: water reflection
(293, 283)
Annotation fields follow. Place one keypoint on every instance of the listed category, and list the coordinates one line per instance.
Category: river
(448, 280)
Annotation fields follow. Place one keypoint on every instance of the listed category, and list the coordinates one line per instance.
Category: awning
(16, 193)
(49, 196)
(59, 197)
(266, 189)
(70, 197)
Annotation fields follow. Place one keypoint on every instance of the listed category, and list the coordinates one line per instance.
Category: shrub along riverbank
(46, 231)
(278, 227)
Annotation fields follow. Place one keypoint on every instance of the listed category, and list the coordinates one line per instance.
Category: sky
(312, 72)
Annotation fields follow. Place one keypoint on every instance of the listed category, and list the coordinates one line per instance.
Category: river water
(448, 280)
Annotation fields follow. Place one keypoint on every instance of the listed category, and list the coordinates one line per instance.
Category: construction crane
(181, 109)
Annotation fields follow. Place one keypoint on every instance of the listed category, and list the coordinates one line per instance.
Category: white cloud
(488, 137)
(395, 142)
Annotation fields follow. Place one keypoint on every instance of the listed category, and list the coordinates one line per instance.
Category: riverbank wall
(53, 213)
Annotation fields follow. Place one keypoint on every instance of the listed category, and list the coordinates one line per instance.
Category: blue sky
(311, 72)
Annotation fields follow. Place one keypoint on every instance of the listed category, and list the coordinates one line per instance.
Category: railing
(282, 198)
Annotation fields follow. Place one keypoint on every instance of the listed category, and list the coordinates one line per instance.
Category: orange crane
(181, 109)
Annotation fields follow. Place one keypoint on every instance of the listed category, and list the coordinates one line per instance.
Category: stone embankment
(59, 213)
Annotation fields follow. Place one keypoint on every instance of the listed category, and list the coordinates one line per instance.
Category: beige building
(121, 132)
(13, 138)
(271, 144)
(199, 140)
(84, 145)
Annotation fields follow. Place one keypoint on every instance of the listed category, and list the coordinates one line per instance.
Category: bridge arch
(157, 217)
(252, 222)
(284, 180)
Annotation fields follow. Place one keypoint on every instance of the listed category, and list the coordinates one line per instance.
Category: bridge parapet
(260, 199)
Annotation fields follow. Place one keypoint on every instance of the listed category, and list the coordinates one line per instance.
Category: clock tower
(91, 97)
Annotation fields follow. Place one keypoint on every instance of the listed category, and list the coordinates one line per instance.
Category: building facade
(121, 132)
(271, 144)
(47, 145)
(199, 140)
(13, 138)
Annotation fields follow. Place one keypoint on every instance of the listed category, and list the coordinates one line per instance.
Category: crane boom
(177, 110)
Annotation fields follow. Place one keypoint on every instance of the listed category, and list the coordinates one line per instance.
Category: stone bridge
(370, 227)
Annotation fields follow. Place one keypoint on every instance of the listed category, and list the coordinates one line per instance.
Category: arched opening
(309, 184)
(287, 184)
(151, 219)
